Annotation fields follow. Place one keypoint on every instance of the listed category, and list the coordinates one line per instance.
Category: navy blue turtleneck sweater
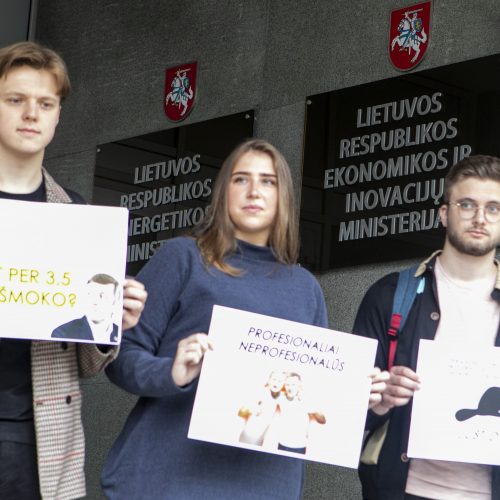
(152, 457)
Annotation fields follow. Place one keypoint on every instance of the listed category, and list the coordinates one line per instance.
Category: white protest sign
(456, 412)
(283, 387)
(61, 271)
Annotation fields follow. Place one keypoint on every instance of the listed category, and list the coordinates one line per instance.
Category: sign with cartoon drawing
(455, 414)
(409, 35)
(283, 387)
(61, 273)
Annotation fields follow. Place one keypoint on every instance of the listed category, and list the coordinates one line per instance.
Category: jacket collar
(55, 193)
(428, 264)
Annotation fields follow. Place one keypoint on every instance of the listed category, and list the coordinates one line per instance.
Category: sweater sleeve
(91, 360)
(313, 293)
(321, 316)
(138, 369)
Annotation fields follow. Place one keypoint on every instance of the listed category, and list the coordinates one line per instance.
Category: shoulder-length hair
(215, 235)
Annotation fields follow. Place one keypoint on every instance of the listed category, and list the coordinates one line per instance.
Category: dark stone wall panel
(117, 53)
(315, 47)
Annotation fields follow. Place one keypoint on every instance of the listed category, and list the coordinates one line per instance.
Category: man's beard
(473, 248)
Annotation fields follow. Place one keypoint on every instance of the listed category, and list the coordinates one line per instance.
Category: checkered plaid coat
(56, 368)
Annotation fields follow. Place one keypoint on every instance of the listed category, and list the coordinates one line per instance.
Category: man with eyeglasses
(460, 302)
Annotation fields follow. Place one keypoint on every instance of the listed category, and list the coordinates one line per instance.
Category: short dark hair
(103, 279)
(476, 166)
(38, 57)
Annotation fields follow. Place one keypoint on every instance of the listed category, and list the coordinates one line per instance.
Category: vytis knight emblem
(180, 89)
(409, 35)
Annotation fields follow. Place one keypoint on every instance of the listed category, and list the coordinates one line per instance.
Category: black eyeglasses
(468, 210)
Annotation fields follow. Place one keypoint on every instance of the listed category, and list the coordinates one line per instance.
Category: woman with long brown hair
(243, 255)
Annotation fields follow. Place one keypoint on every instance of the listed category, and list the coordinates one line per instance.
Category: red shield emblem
(409, 35)
(180, 90)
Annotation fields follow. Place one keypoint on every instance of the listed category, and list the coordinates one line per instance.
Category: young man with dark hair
(41, 435)
(97, 323)
(459, 303)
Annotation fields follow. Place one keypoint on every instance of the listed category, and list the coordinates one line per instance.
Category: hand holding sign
(188, 358)
(379, 386)
(400, 387)
(134, 298)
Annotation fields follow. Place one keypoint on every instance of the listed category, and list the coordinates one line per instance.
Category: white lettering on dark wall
(413, 192)
(373, 227)
(167, 194)
(398, 138)
(356, 171)
(181, 218)
(397, 110)
(167, 169)
(177, 219)
(415, 163)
